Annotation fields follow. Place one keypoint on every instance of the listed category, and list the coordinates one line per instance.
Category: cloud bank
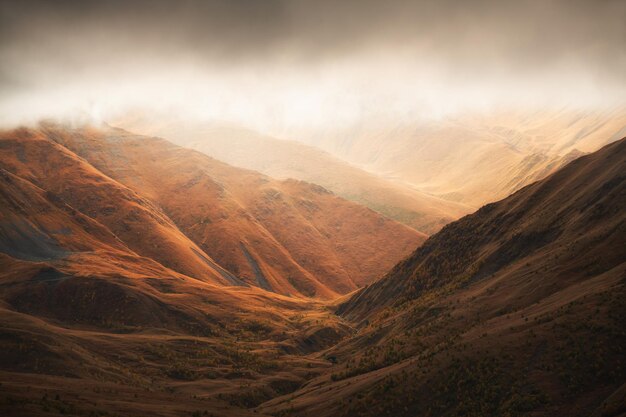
(270, 64)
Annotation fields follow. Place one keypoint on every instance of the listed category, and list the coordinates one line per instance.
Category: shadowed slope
(579, 206)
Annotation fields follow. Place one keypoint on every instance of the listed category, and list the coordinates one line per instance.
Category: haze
(314, 208)
(277, 65)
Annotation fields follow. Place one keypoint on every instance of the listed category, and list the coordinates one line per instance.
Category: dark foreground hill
(518, 309)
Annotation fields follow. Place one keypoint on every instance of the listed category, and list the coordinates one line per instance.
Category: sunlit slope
(70, 181)
(475, 158)
(285, 236)
(82, 315)
(290, 159)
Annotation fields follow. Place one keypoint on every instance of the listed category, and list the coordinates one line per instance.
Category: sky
(276, 63)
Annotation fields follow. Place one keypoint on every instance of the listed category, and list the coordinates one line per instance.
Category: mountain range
(139, 277)
(285, 159)
(203, 218)
(472, 158)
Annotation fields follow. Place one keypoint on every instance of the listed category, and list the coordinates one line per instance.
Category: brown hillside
(89, 327)
(133, 219)
(517, 309)
(195, 214)
(284, 159)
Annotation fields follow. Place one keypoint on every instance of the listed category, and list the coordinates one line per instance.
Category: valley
(295, 208)
(133, 283)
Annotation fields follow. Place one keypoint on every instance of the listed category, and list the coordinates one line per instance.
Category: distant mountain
(285, 159)
(517, 309)
(206, 219)
(473, 158)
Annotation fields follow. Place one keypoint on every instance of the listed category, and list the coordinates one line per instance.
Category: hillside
(60, 176)
(473, 158)
(285, 159)
(517, 309)
(89, 327)
(108, 333)
(204, 218)
(93, 323)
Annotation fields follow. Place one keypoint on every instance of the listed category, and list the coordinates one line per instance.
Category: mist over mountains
(285, 64)
(294, 208)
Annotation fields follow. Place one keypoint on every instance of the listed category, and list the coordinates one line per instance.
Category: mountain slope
(474, 158)
(517, 309)
(290, 159)
(90, 327)
(36, 226)
(579, 204)
(134, 220)
(193, 213)
(104, 332)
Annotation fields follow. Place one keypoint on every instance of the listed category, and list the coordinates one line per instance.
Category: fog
(272, 65)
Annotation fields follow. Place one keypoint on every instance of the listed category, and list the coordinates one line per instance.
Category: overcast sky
(273, 62)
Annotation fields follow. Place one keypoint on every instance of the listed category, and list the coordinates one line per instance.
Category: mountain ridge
(206, 218)
(284, 159)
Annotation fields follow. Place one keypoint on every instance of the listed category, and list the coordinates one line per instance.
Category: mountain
(90, 327)
(285, 159)
(517, 309)
(206, 219)
(54, 174)
(473, 158)
(109, 307)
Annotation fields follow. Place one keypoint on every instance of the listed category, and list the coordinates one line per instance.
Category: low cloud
(275, 63)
